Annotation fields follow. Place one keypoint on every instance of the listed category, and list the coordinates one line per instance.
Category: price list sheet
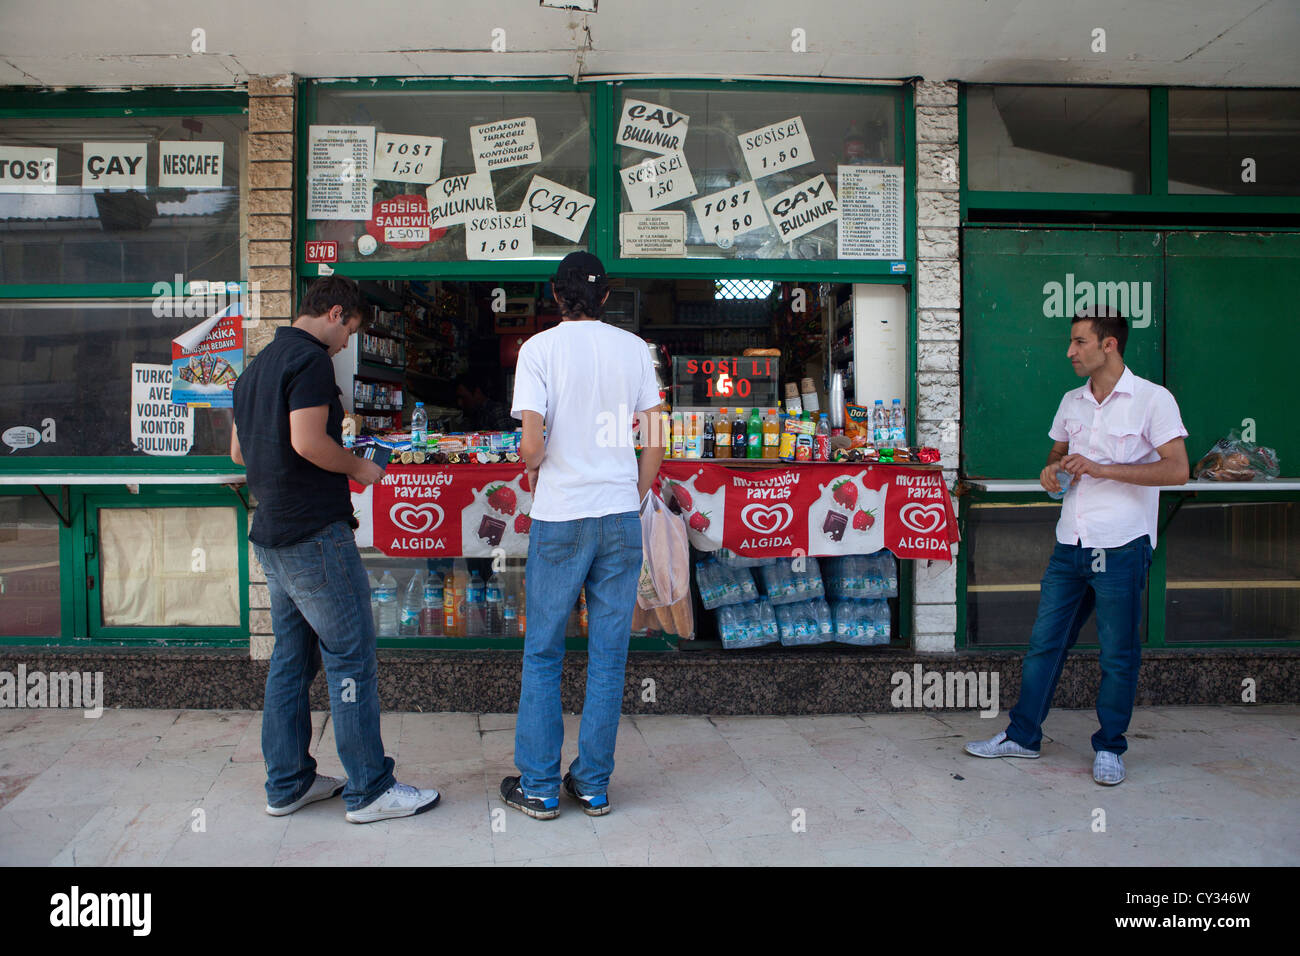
(871, 212)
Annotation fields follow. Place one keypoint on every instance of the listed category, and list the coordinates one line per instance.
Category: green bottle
(754, 436)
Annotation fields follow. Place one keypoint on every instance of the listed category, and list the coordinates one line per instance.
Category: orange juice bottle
(722, 436)
(449, 604)
(771, 434)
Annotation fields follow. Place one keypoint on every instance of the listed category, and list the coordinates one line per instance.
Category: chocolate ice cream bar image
(835, 524)
(491, 529)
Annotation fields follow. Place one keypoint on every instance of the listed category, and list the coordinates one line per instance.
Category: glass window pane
(563, 131)
(1212, 133)
(69, 363)
(1058, 139)
(29, 568)
(1233, 573)
(85, 235)
(1008, 548)
(854, 127)
(169, 567)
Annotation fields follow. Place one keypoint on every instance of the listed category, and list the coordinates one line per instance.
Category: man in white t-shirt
(583, 382)
(1116, 439)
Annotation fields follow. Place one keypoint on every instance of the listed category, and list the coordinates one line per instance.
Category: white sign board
(29, 169)
(652, 235)
(727, 214)
(113, 165)
(651, 127)
(190, 165)
(157, 426)
(511, 142)
(773, 148)
(454, 199)
(408, 159)
(803, 208)
(658, 182)
(871, 212)
(558, 209)
(501, 235)
(338, 171)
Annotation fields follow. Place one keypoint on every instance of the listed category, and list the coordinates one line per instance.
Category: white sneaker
(1108, 768)
(322, 788)
(999, 746)
(399, 800)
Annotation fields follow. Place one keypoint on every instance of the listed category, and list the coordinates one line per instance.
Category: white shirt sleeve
(1057, 431)
(1165, 422)
(530, 383)
(648, 395)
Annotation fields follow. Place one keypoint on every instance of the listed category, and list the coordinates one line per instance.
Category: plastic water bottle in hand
(1063, 478)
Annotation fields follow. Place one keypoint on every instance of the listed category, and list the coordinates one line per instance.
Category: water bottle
(1063, 478)
(431, 606)
(879, 425)
(419, 428)
(891, 574)
(374, 599)
(825, 626)
(898, 425)
(387, 595)
(748, 590)
(495, 617)
(510, 617)
(408, 623)
(474, 623)
(768, 618)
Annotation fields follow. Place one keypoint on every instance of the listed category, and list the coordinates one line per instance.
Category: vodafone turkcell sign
(403, 223)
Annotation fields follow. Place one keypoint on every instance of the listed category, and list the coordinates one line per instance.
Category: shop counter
(756, 508)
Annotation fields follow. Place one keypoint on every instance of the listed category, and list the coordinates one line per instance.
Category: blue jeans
(605, 555)
(1077, 580)
(320, 612)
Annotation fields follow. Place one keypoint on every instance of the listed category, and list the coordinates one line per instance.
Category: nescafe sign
(403, 223)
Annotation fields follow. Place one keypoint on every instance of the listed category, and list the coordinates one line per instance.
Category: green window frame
(73, 104)
(1156, 201)
(82, 503)
(1157, 591)
(603, 226)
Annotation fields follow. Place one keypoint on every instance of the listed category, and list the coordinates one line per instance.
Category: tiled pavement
(1207, 786)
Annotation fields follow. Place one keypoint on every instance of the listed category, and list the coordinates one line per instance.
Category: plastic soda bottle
(722, 436)
(739, 440)
(771, 435)
(493, 606)
(431, 606)
(823, 439)
(754, 435)
(708, 440)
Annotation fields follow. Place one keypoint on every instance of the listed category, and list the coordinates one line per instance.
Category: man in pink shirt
(1116, 440)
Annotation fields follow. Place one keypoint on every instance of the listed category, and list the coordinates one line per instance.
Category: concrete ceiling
(1156, 42)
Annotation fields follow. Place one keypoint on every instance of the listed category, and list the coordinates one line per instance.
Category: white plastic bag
(665, 566)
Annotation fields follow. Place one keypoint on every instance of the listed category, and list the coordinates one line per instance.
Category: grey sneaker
(1108, 768)
(322, 788)
(399, 800)
(999, 746)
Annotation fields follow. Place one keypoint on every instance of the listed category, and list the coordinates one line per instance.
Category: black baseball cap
(581, 265)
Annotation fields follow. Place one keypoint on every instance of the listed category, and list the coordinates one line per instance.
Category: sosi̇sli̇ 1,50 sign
(726, 380)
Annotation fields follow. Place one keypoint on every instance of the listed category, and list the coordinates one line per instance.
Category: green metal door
(1019, 290)
(1233, 305)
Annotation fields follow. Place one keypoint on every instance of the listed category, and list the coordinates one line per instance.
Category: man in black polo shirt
(288, 432)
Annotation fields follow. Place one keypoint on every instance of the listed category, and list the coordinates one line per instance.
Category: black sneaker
(591, 806)
(512, 795)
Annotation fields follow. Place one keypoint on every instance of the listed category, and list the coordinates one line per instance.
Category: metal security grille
(742, 289)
